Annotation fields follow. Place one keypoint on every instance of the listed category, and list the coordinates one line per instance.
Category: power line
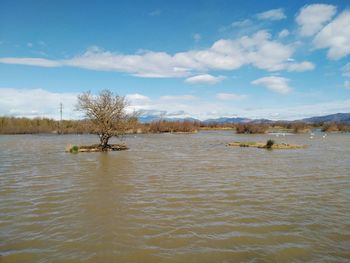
(60, 123)
(61, 110)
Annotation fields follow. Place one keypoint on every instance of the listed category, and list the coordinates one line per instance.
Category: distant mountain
(262, 121)
(338, 117)
(148, 118)
(228, 120)
(152, 118)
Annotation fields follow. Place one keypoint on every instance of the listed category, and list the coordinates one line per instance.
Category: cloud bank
(335, 36)
(37, 103)
(258, 50)
(311, 18)
(42, 103)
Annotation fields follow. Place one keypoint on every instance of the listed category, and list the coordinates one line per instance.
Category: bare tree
(107, 113)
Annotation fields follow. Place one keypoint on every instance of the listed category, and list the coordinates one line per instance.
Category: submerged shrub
(269, 143)
(74, 149)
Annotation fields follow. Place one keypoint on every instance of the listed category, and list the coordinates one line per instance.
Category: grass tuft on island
(96, 148)
(268, 145)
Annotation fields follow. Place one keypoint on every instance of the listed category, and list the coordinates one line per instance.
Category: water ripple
(174, 198)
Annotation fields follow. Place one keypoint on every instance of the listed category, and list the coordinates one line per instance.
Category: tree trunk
(104, 138)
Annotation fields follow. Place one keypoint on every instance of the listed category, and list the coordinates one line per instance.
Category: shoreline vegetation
(12, 125)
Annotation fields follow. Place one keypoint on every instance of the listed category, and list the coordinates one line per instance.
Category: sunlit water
(175, 198)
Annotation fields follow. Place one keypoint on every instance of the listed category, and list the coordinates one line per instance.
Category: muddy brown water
(175, 198)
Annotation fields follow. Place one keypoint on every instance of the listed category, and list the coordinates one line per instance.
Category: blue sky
(202, 59)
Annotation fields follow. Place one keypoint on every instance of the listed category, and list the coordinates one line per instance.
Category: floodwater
(175, 198)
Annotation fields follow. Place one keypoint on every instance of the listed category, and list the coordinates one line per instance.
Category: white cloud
(242, 23)
(244, 27)
(36, 103)
(283, 33)
(273, 83)
(172, 106)
(311, 18)
(147, 64)
(258, 50)
(273, 14)
(230, 96)
(137, 98)
(347, 84)
(299, 67)
(41, 62)
(204, 79)
(346, 70)
(29, 44)
(335, 36)
(137, 102)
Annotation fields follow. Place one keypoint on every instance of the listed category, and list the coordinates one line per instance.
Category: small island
(96, 148)
(108, 118)
(270, 144)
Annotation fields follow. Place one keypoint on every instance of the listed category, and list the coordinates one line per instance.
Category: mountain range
(338, 117)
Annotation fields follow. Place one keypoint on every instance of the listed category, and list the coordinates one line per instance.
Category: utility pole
(60, 123)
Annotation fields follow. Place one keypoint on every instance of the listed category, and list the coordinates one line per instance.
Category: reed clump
(173, 126)
(251, 128)
(335, 127)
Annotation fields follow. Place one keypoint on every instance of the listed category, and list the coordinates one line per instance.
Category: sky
(280, 60)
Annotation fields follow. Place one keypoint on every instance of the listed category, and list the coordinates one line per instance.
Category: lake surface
(175, 198)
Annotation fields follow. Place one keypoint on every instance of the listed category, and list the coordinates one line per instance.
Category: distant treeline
(292, 127)
(12, 125)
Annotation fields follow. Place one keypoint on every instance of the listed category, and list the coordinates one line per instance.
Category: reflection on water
(175, 198)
